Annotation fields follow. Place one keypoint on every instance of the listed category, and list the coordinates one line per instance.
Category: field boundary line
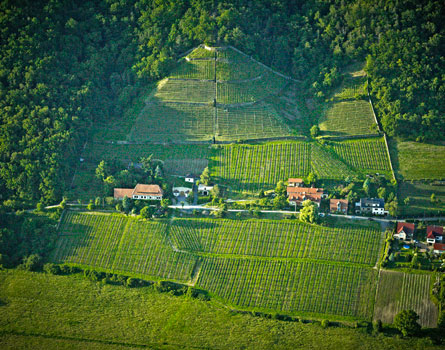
(389, 157)
(376, 295)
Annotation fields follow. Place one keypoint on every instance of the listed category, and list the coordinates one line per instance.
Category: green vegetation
(399, 291)
(194, 70)
(232, 65)
(419, 161)
(307, 287)
(118, 244)
(71, 312)
(278, 238)
(348, 118)
(415, 198)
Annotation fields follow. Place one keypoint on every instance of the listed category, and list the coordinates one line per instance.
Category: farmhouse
(374, 206)
(181, 191)
(434, 234)
(439, 248)
(295, 182)
(141, 191)
(191, 178)
(338, 205)
(405, 231)
(297, 195)
(204, 190)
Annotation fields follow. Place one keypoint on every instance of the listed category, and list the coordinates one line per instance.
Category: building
(192, 178)
(404, 231)
(439, 248)
(295, 182)
(204, 190)
(181, 191)
(338, 205)
(141, 191)
(434, 234)
(375, 206)
(297, 195)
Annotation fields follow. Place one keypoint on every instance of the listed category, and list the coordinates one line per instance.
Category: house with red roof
(295, 182)
(434, 234)
(439, 248)
(404, 231)
(338, 205)
(141, 191)
(297, 195)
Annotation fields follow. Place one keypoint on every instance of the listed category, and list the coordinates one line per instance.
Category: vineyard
(364, 154)
(399, 291)
(276, 265)
(119, 244)
(186, 91)
(282, 286)
(249, 168)
(257, 121)
(283, 239)
(348, 118)
(194, 70)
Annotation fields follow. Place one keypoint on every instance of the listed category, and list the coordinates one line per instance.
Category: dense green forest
(65, 65)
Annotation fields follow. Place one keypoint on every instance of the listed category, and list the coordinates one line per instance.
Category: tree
(40, 207)
(261, 194)
(165, 203)
(315, 131)
(433, 198)
(392, 207)
(126, 204)
(309, 212)
(98, 201)
(147, 212)
(310, 179)
(279, 202)
(205, 176)
(158, 172)
(32, 263)
(119, 207)
(377, 326)
(366, 186)
(381, 192)
(215, 191)
(406, 322)
(406, 201)
(280, 189)
(102, 170)
(90, 205)
(147, 165)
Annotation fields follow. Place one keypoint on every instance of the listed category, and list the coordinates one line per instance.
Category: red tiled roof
(122, 192)
(152, 190)
(333, 204)
(303, 197)
(405, 227)
(295, 179)
(434, 231)
(304, 190)
(439, 246)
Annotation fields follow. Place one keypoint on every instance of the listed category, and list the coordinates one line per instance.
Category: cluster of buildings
(434, 235)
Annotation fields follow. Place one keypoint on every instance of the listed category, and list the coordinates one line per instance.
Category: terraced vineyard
(120, 244)
(348, 118)
(283, 239)
(195, 70)
(309, 287)
(190, 91)
(248, 168)
(399, 291)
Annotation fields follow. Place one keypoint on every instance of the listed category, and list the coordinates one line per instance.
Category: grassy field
(248, 168)
(282, 239)
(399, 291)
(419, 194)
(309, 287)
(119, 244)
(418, 161)
(348, 118)
(68, 312)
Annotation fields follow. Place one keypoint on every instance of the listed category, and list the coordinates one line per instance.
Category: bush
(325, 323)
(32, 263)
(51, 268)
(406, 322)
(377, 326)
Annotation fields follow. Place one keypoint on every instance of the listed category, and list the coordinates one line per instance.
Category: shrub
(32, 263)
(406, 322)
(325, 323)
(51, 268)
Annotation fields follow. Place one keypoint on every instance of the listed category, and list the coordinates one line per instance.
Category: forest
(66, 65)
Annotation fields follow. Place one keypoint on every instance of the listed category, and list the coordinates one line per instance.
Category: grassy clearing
(62, 312)
(250, 122)
(120, 244)
(348, 118)
(418, 161)
(308, 287)
(399, 291)
(283, 239)
(200, 52)
(419, 195)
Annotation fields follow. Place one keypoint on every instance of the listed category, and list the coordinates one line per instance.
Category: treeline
(65, 65)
